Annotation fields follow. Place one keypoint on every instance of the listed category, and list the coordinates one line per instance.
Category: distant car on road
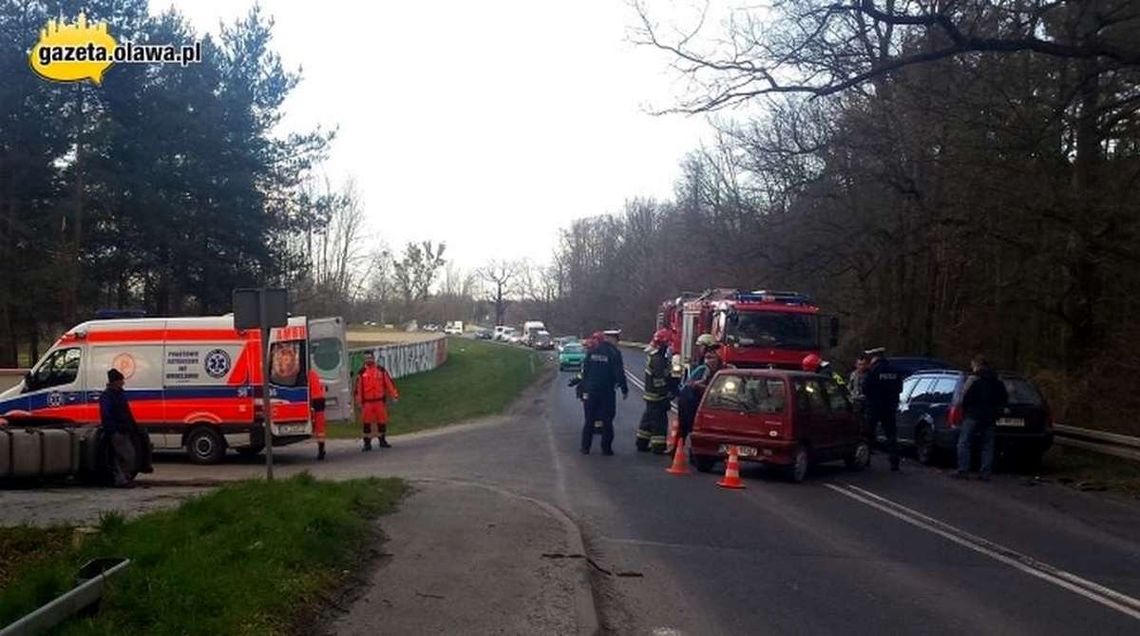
(542, 341)
(788, 419)
(571, 357)
(562, 341)
(484, 334)
(930, 412)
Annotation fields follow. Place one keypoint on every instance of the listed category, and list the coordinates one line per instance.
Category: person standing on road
(982, 401)
(660, 389)
(373, 388)
(612, 338)
(317, 407)
(119, 429)
(881, 388)
(855, 391)
(689, 396)
(601, 372)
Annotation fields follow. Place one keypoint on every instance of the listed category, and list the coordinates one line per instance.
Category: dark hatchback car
(930, 413)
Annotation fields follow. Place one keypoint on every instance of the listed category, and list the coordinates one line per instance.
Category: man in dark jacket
(881, 388)
(982, 400)
(602, 371)
(119, 429)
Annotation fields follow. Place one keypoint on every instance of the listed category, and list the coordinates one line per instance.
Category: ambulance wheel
(205, 445)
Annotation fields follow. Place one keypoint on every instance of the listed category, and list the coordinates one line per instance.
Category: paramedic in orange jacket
(317, 406)
(373, 388)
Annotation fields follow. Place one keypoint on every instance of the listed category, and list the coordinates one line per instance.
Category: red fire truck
(755, 328)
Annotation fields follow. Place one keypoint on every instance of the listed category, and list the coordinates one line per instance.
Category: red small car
(789, 419)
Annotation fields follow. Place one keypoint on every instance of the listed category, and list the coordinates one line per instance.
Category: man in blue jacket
(881, 388)
(119, 429)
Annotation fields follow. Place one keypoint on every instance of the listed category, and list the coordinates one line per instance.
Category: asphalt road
(864, 552)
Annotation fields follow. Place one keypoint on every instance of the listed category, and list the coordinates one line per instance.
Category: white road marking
(1093, 591)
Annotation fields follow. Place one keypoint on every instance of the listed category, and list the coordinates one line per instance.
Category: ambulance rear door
(329, 356)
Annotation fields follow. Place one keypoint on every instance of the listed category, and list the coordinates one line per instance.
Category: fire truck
(754, 328)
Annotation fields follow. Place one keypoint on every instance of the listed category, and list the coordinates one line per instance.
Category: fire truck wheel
(205, 445)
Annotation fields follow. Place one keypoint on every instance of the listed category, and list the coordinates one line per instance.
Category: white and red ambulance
(192, 383)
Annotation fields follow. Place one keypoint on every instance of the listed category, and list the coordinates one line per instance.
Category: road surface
(867, 552)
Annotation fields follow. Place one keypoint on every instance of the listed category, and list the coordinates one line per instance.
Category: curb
(586, 612)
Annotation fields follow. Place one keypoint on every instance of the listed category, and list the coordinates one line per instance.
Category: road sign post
(263, 308)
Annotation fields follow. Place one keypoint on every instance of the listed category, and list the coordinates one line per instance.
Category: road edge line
(997, 552)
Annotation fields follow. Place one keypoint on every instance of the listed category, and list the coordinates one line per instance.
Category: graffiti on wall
(404, 359)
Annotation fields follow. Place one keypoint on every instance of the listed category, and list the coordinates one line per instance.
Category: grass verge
(479, 378)
(1086, 470)
(250, 558)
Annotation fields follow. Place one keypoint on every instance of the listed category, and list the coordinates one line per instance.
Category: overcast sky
(488, 125)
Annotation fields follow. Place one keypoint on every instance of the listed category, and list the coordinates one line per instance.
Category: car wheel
(799, 468)
(205, 445)
(860, 457)
(704, 463)
(924, 449)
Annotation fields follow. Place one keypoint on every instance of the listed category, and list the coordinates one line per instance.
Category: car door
(813, 417)
(844, 428)
(915, 406)
(328, 353)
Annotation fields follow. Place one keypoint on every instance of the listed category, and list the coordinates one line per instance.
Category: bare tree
(500, 277)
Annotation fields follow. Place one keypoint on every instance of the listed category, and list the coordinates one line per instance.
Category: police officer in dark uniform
(601, 372)
(660, 389)
(881, 388)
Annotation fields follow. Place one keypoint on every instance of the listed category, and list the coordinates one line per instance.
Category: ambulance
(192, 383)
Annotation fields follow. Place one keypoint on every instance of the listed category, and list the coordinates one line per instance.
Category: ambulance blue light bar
(769, 296)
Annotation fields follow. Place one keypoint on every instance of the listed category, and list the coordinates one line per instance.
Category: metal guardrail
(1098, 441)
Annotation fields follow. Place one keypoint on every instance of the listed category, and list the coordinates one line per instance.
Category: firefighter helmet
(661, 336)
(706, 340)
(811, 363)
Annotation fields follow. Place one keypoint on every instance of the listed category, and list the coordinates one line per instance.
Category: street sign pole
(263, 309)
(266, 403)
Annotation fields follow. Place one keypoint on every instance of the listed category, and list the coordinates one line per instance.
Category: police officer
(660, 389)
(881, 388)
(601, 372)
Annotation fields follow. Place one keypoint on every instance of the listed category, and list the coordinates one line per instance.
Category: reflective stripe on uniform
(643, 434)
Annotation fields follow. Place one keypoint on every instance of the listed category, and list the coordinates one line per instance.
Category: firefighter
(660, 389)
(373, 388)
(601, 373)
(317, 407)
(689, 397)
(881, 388)
(812, 363)
(705, 343)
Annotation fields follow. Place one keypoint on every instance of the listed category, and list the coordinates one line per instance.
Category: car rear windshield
(747, 393)
(1022, 391)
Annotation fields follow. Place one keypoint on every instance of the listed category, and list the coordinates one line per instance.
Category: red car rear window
(754, 394)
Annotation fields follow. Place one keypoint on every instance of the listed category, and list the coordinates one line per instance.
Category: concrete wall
(404, 359)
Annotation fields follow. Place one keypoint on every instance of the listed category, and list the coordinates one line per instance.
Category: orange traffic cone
(731, 471)
(680, 466)
(674, 435)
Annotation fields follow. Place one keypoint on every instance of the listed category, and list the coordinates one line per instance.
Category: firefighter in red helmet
(811, 363)
(660, 389)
